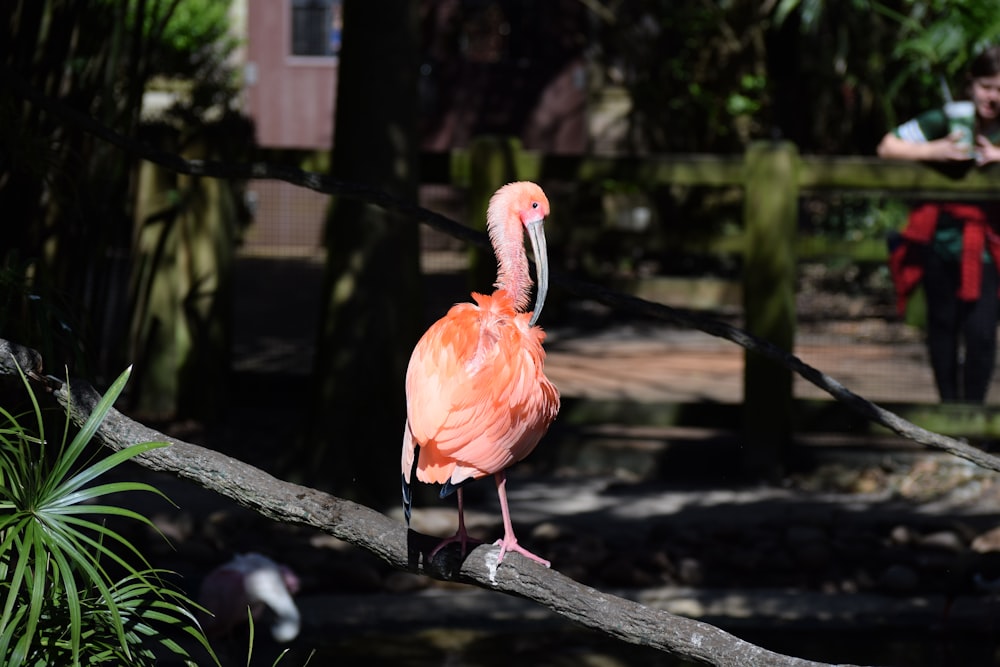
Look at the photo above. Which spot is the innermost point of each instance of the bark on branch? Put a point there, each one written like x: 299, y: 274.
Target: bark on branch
x: 401, y: 548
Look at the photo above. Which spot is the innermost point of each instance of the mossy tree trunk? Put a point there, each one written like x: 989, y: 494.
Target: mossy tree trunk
x: 771, y: 215
x: 187, y: 230
x: 371, y: 307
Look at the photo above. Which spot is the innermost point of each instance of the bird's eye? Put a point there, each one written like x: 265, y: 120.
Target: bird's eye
x: 534, y: 204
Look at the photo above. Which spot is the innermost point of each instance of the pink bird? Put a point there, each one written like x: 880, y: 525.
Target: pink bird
x: 250, y: 581
x: 477, y: 399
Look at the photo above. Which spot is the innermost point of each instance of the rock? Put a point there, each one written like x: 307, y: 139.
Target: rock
x: 177, y: 527
x: 944, y: 539
x: 690, y: 572
x: 871, y: 480
x: 849, y: 586
x: 987, y: 542
x: 547, y: 531
x: 901, y: 535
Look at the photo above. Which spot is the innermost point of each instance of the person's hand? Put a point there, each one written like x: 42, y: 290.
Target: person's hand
x: 948, y: 149
x: 986, y: 152
x: 952, y: 148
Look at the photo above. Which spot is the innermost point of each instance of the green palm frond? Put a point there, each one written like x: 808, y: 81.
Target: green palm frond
x: 69, y: 455
x: 61, y: 604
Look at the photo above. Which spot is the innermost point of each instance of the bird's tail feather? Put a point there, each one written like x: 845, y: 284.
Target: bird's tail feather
x: 407, y: 500
x: 407, y: 491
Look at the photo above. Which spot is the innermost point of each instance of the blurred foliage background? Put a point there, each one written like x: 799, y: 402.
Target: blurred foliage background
x: 105, y: 261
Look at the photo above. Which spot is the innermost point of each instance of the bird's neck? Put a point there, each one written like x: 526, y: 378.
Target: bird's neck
x: 507, y: 236
x: 512, y: 272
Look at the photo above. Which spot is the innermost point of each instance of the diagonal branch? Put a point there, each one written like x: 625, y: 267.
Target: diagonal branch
x: 867, y: 409
x: 408, y: 550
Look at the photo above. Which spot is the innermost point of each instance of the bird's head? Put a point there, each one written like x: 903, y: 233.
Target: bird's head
x: 528, y: 201
x: 523, y: 202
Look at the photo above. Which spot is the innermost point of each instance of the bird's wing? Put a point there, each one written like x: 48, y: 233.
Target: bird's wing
x: 409, y: 452
x: 223, y: 600
x: 477, y: 397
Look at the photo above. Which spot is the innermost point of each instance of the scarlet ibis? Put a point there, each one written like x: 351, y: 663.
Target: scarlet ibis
x: 250, y: 581
x: 477, y: 399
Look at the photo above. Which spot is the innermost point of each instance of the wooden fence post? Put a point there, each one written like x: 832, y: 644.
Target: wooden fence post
x: 770, y: 216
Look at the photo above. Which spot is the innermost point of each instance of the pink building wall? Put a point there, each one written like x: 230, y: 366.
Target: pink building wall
x: 291, y: 98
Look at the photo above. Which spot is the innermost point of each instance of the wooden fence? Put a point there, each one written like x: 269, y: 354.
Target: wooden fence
x: 773, y: 176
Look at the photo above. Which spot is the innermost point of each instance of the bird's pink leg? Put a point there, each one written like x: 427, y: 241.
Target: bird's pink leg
x: 509, y: 542
x: 461, y: 536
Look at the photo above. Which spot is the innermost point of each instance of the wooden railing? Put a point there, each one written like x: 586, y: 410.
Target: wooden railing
x: 772, y: 176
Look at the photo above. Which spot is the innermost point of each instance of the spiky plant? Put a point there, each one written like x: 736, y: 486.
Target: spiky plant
x: 60, y: 605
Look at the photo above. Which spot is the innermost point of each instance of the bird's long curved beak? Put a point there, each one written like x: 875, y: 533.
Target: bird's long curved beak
x: 536, y: 232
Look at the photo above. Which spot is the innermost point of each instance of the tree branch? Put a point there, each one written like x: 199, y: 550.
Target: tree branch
x: 406, y: 549
x: 859, y: 404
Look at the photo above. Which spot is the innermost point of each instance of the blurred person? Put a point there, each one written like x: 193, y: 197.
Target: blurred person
x: 953, y: 249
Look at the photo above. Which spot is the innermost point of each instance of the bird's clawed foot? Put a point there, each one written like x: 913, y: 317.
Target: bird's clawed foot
x: 510, y: 544
x: 462, y: 538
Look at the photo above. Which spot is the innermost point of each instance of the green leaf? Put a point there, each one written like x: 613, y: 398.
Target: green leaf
x: 66, y: 574
x: 86, y: 432
x: 104, y: 465
x: 65, y: 530
x: 76, y: 499
x: 34, y: 404
x: 40, y: 579
x: 21, y: 558
x: 58, y: 601
x: 70, y: 551
x: 12, y: 631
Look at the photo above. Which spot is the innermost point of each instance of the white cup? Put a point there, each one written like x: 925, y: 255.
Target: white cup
x: 961, y: 124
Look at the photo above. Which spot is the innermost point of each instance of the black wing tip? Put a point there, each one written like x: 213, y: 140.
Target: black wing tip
x: 448, y: 488
x: 407, y: 499
x: 407, y: 491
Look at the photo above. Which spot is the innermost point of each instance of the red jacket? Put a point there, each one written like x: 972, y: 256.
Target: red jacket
x: 905, y: 261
